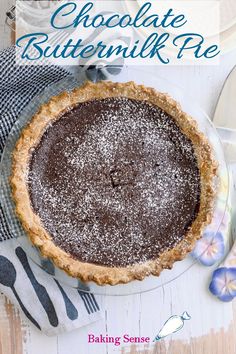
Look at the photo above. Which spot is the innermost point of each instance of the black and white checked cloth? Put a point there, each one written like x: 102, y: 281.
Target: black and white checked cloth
x: 51, y: 306
x: 18, y: 85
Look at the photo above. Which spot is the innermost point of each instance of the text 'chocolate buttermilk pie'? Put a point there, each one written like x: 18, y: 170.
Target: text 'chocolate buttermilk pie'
x: 113, y: 182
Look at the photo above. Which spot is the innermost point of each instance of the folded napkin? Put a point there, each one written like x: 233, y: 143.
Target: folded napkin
x: 51, y: 306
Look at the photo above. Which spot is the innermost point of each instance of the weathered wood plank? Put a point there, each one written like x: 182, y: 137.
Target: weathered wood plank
x: 12, y: 329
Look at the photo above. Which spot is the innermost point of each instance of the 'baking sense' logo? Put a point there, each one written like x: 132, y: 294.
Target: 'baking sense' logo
x: 174, y: 324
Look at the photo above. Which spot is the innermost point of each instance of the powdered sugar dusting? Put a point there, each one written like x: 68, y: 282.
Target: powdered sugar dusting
x: 115, y: 182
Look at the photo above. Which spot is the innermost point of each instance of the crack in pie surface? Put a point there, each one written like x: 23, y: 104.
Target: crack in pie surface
x: 113, y: 182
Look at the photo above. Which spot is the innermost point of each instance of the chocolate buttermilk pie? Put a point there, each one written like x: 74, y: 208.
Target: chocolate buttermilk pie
x: 113, y: 182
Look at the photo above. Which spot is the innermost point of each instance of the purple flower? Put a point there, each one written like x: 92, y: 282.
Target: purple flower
x: 223, y: 283
x: 210, y: 248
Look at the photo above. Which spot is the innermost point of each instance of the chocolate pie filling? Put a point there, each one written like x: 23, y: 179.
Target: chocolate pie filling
x: 115, y: 182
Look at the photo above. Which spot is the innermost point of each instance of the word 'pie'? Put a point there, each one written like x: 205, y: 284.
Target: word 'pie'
x: 113, y: 182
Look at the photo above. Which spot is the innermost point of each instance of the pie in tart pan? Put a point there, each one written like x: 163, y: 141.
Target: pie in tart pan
x: 113, y: 182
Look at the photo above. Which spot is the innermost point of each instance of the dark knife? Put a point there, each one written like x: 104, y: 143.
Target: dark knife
x: 71, y: 310
x: 40, y: 290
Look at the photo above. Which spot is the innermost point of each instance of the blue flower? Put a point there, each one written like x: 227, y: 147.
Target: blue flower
x: 210, y: 248
x: 223, y: 283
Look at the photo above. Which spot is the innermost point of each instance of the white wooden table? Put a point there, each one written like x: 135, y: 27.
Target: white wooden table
x: 212, y: 329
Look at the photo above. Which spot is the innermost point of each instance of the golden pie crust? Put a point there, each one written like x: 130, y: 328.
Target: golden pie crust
x: 31, y: 222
